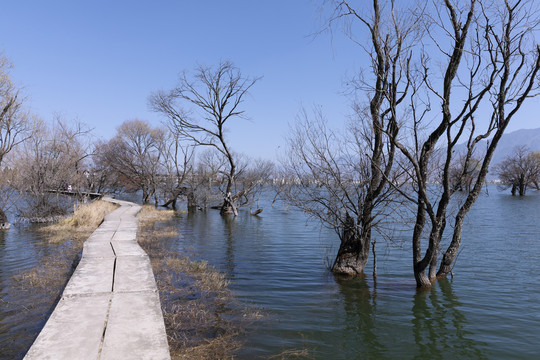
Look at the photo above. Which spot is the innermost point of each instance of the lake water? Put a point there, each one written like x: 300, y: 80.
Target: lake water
x: 25, y: 306
x: 277, y: 261
x: 490, y: 309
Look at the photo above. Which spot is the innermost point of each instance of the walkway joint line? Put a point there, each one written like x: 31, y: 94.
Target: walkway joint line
x: 110, y: 308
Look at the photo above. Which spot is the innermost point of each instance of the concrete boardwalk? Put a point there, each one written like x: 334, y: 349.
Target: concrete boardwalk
x: 110, y: 307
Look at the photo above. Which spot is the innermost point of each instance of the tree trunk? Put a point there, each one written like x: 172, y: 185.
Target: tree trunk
x: 422, y: 280
x: 420, y: 263
x: 172, y: 200
x: 374, y: 258
x: 191, y: 200
x: 156, y: 200
x: 433, y: 264
x: 4, y: 223
x: 353, y: 252
x: 451, y: 253
x: 145, y: 196
x: 228, y: 206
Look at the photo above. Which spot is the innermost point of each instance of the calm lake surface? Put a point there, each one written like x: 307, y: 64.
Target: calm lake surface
x: 277, y: 262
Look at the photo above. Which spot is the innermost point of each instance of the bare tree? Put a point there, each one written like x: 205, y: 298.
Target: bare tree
x: 14, y: 119
x: 178, y: 163
x: 536, y: 158
x: 519, y: 171
x: 201, y: 187
x: 252, y: 177
x: 101, y: 177
x: 199, y: 108
x: 52, y: 160
x: 345, y: 180
x: 135, y: 154
x: 462, y: 173
x: 490, y: 57
x: 207, y: 181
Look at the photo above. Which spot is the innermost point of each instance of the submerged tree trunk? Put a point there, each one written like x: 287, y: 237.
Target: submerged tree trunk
x: 353, y: 252
x: 422, y: 280
x: 4, y: 223
x: 451, y: 252
x: 191, y: 200
x: 522, y: 185
x: 374, y: 258
x: 228, y: 206
x: 421, y: 263
x: 145, y: 196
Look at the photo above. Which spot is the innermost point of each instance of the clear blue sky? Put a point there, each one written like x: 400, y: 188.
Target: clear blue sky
x: 98, y: 61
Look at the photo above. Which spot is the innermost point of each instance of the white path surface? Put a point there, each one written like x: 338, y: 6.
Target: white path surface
x: 110, y: 307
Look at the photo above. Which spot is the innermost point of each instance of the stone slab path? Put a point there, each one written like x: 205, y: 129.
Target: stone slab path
x: 110, y: 307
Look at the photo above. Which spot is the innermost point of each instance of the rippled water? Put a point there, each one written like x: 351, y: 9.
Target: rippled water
x: 277, y: 261
x: 490, y: 309
x: 23, y: 309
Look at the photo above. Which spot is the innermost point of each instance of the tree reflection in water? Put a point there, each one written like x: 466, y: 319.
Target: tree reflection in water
x: 230, y: 229
x: 360, y: 304
x: 439, y: 326
x: 375, y: 320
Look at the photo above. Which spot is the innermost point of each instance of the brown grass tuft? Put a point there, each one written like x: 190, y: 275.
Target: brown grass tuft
x: 70, y: 233
x: 292, y: 354
x: 85, y: 219
x: 150, y: 214
x: 202, y: 318
x: 52, y: 273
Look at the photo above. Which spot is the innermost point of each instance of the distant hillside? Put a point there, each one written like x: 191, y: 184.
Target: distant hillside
x: 527, y: 137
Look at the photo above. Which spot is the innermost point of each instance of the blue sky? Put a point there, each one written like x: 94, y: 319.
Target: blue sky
x: 98, y: 61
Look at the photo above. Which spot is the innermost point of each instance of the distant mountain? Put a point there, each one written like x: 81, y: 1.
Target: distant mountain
x: 507, y: 144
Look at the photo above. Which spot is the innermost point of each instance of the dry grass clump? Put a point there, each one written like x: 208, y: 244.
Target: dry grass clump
x: 149, y: 215
x: 292, y: 354
x: 85, y: 219
x: 202, y: 318
x: 68, y: 234
x: 205, y: 276
x: 218, y: 348
x: 52, y: 273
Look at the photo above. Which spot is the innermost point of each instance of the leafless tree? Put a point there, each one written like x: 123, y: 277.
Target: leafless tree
x: 14, y: 121
x: 51, y: 160
x: 135, y: 154
x: 345, y: 180
x: 462, y: 172
x: 491, y: 58
x: 252, y: 178
x: 206, y: 180
x: 178, y: 162
x: 199, y: 108
x: 519, y: 171
x: 101, y: 177
x: 14, y: 118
